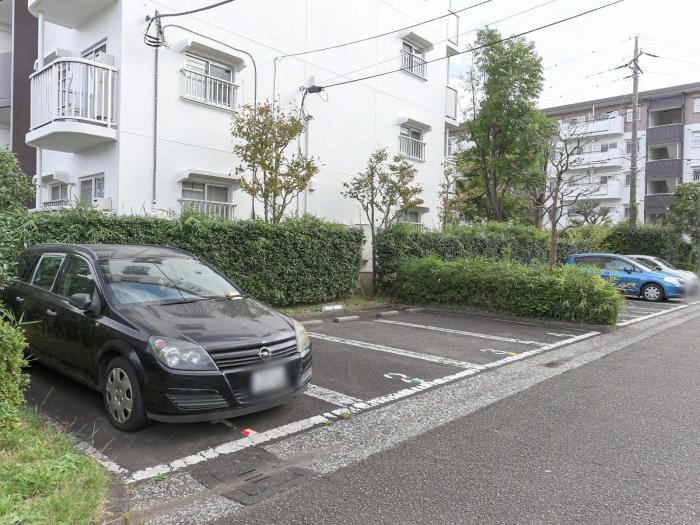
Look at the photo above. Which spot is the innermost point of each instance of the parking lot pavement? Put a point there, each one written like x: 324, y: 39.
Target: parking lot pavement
x: 637, y: 310
x: 357, y: 365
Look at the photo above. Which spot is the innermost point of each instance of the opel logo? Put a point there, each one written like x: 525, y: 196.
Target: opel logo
x: 264, y: 353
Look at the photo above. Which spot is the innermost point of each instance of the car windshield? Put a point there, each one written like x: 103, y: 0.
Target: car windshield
x: 667, y: 264
x: 646, y: 264
x: 163, y: 280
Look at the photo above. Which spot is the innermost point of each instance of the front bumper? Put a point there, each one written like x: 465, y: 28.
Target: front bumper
x: 209, y: 396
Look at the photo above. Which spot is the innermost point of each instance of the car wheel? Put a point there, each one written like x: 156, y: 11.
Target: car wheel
x: 652, y: 293
x: 122, y: 396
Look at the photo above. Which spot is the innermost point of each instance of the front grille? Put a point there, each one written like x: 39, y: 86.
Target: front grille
x: 249, y: 355
x: 203, y: 400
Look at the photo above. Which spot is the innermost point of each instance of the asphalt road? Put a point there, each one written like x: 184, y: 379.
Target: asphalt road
x: 616, y: 440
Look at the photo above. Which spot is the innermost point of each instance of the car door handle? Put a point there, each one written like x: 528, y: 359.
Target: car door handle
x: 51, y: 312
x: 19, y: 299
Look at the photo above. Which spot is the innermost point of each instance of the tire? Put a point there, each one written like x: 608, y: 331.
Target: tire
x: 122, y: 396
x: 652, y: 293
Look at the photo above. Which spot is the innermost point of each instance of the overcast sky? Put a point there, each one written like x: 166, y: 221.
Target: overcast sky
x: 598, y: 42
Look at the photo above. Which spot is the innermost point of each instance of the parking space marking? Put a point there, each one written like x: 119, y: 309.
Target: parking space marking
x: 655, y: 314
x: 397, y: 351
x: 331, y: 396
x: 555, y: 334
x: 463, y: 332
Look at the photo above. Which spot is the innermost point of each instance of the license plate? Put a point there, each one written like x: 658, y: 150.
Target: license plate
x: 268, y: 380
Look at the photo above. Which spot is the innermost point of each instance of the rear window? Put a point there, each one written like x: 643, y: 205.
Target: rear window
x: 589, y: 260
x: 46, y: 271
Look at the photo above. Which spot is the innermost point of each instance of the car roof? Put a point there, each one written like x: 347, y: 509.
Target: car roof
x: 112, y: 251
x: 647, y: 256
x: 599, y: 254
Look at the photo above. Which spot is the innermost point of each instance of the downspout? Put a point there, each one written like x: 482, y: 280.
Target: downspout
x: 155, y: 127
x: 306, y: 155
x: 39, y: 150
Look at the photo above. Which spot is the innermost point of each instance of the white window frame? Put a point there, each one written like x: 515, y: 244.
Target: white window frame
x: 205, y: 190
x: 695, y: 139
x: 91, y: 52
x: 416, y: 64
x: 93, y: 178
x: 199, y: 85
x: 696, y: 105
x: 696, y: 173
x: 408, y: 132
x: 63, y: 191
x: 630, y: 111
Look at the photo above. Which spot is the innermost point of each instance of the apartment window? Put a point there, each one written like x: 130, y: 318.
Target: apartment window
x: 606, y: 147
x: 628, y: 117
x: 92, y: 188
x: 577, y: 120
x: 209, y: 82
x: 93, y: 52
x: 411, y: 143
x: 696, y: 175
x: 627, y: 211
x: 606, y: 116
x: 629, y: 146
x: 628, y: 179
x: 410, y: 217
x: 58, y: 192
x: 207, y: 198
x: 696, y: 105
x: 578, y: 150
x: 413, y: 60
x: 696, y: 139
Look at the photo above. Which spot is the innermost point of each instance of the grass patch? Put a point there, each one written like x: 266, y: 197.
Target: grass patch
x: 45, y: 480
x: 352, y: 304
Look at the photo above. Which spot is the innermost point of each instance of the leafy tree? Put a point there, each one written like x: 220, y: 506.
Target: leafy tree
x: 588, y: 213
x: 383, y: 190
x: 506, y: 131
x: 684, y: 216
x: 268, y: 172
x: 16, y: 191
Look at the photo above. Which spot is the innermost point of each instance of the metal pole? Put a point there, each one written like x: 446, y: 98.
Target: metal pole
x: 635, y: 116
x: 39, y: 150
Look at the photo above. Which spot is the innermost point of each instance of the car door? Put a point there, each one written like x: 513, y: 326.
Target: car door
x: 36, y: 304
x: 73, y: 329
x: 623, y: 273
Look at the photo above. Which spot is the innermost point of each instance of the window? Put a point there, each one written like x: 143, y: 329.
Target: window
x: 58, y: 192
x: 629, y: 146
x: 202, y: 191
x: 577, y: 120
x: 77, y: 279
x: 46, y: 271
x: 93, y: 52
x: 92, y: 188
x: 25, y: 264
x: 696, y: 105
x: 628, y: 179
x: 589, y: 260
x: 628, y: 117
x: 413, y: 60
x: 617, y: 265
x: 411, y: 142
x: 410, y: 217
x: 209, y: 82
x: 696, y: 174
x: 696, y: 139
x: 578, y: 150
x: 627, y: 211
x: 604, y: 179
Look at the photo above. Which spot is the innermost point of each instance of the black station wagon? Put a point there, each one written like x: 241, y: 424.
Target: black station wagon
x: 163, y: 335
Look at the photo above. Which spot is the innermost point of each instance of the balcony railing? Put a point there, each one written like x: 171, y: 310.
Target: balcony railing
x: 412, y: 148
x: 209, y: 90
x: 73, y: 89
x: 451, y: 102
x: 55, y: 204
x: 413, y: 64
x: 222, y: 209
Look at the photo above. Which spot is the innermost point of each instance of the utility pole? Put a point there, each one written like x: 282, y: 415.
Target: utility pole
x: 634, y: 211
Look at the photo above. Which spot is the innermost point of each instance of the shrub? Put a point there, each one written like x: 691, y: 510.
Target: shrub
x: 566, y: 293
x: 498, y: 241
x: 12, y: 380
x: 298, y: 261
x: 647, y: 239
x: 594, y: 234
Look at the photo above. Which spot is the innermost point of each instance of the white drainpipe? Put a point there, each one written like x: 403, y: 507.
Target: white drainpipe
x: 40, y: 150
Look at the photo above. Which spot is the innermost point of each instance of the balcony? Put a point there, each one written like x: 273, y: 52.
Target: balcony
x: 5, y: 86
x: 220, y: 209
x: 208, y: 90
x: 450, y: 102
x: 72, y: 105
x: 593, y: 127
x: 612, y: 157
x: 412, y: 148
x: 657, y: 203
x: 664, y: 169
x: 414, y: 64
x: 58, y: 204
x: 664, y: 134
x: 613, y: 189
x: 67, y: 13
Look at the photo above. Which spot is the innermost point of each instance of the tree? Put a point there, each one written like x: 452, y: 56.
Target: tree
x: 448, y: 202
x: 506, y: 131
x: 268, y: 173
x: 383, y: 190
x: 588, y: 213
x: 16, y: 191
x: 684, y: 216
x: 566, y: 179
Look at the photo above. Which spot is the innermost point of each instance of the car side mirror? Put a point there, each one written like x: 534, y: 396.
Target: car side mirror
x: 82, y: 301
x: 629, y: 270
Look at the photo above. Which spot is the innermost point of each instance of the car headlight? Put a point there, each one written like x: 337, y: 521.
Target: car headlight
x: 180, y: 355
x: 673, y: 280
x: 303, y: 341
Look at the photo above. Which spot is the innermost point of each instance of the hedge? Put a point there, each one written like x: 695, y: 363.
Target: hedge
x: 566, y: 293
x: 497, y: 241
x: 12, y: 380
x: 648, y: 239
x: 299, y: 261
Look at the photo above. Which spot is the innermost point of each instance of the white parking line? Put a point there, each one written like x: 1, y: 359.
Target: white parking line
x: 463, y: 332
x: 331, y: 396
x: 656, y: 314
x: 559, y: 335
x: 397, y: 351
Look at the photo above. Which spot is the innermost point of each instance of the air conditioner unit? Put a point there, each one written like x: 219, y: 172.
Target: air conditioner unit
x: 59, y: 52
x: 104, y: 58
x: 102, y: 203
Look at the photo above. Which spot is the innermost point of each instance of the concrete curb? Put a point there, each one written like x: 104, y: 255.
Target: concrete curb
x: 346, y: 318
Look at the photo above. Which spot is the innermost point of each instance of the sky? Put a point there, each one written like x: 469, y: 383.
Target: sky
x: 577, y: 55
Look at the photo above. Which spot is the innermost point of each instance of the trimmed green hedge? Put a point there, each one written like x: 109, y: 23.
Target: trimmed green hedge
x: 299, y: 261
x: 648, y: 239
x: 493, y: 240
x: 12, y: 380
x: 566, y: 293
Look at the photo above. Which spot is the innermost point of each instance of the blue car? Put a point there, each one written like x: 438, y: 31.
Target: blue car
x: 633, y: 278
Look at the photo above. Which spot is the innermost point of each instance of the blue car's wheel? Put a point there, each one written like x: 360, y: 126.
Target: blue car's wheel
x: 652, y: 293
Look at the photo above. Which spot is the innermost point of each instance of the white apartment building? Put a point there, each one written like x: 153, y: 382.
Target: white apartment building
x: 129, y: 128
x: 668, y: 150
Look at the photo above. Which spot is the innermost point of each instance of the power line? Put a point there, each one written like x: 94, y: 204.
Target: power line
x: 158, y: 40
x: 336, y: 46
x: 445, y: 40
x: 480, y: 47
